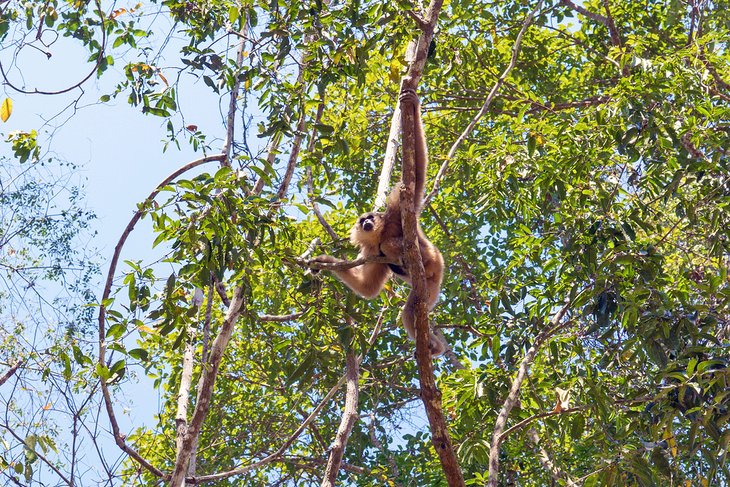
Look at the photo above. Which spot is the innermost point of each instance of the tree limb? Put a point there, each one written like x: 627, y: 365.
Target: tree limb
x: 119, y: 438
x: 209, y: 375
x: 11, y: 371
x: 349, y: 416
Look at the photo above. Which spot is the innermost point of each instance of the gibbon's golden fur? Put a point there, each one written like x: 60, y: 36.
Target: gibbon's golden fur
x: 381, y: 233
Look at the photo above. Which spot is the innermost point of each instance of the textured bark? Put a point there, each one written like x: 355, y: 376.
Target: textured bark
x: 430, y: 395
x: 349, y: 416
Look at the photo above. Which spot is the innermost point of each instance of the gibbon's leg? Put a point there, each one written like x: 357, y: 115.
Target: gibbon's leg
x: 366, y: 280
x: 435, y: 344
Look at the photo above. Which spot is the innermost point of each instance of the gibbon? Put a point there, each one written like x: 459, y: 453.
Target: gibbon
x: 381, y: 233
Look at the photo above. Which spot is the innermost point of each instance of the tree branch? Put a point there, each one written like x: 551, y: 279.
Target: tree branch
x: 209, y: 374
x: 141, y: 210
x: 11, y: 371
x: 544, y: 458
x: 492, y: 93
x: 497, y: 437
x: 349, y: 416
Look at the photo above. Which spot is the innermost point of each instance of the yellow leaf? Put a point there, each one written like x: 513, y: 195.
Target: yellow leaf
x: 6, y: 109
x: 164, y: 80
x: 145, y: 329
x: 705, y: 482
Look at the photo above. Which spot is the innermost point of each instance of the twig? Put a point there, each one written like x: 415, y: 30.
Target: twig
x: 485, y: 107
x: 99, y: 57
x: 379, y: 445
x: 40, y: 455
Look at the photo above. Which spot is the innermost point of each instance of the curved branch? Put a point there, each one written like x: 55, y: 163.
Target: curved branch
x: 485, y: 107
x: 118, y: 437
x: 102, y: 50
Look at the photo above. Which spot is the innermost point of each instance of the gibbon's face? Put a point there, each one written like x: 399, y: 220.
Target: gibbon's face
x: 367, y: 229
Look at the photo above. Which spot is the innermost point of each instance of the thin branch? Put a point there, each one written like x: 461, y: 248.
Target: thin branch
x: 587, y: 13
x: 345, y: 264
x: 532, y: 418
x: 40, y: 455
x: 310, y: 183
x: 209, y: 374
x: 119, y: 438
x: 282, y: 318
x: 349, y: 416
x: 231, y: 119
x: 499, y: 426
x: 485, y: 107
x: 272, y: 150
x: 379, y: 445
x: 99, y: 58
x: 612, y: 30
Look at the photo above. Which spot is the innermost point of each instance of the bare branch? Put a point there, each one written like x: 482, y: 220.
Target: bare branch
x: 345, y: 264
x: 281, y: 318
x: 349, y: 416
x: 485, y: 107
x: 94, y: 70
x: 379, y: 445
x: 391, y: 151
x: 499, y: 426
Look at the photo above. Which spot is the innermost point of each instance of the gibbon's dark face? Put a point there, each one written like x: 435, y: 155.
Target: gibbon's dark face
x: 367, y: 222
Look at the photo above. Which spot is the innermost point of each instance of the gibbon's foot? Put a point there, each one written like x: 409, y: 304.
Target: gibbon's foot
x: 435, y: 346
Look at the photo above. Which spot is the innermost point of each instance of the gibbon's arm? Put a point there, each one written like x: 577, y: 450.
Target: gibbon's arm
x: 366, y: 280
x: 409, y: 101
